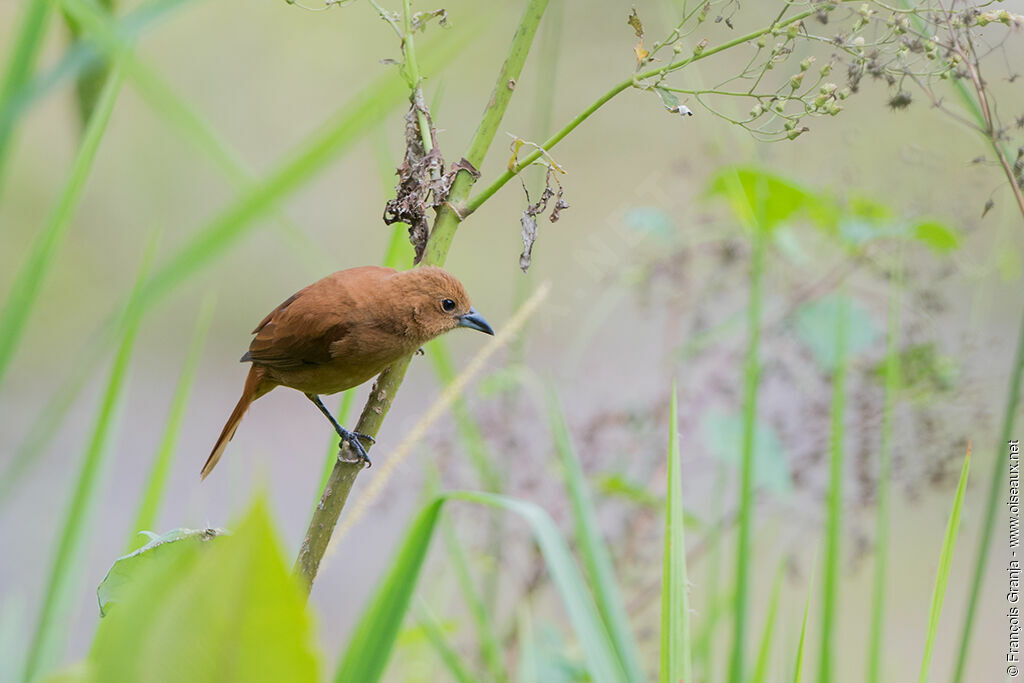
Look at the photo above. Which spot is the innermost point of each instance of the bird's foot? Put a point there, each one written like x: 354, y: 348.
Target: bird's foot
x: 355, y: 440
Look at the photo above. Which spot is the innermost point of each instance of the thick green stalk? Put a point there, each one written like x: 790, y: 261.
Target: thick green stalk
x: 453, y: 212
x: 892, y: 383
x: 339, y: 485
x: 752, y: 372
x: 834, y: 523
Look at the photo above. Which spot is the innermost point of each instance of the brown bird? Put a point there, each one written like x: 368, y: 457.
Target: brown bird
x: 345, y: 329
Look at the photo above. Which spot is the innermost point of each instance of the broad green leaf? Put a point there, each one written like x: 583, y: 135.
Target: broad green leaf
x: 945, y: 564
x: 722, y: 435
x: 936, y: 235
x: 762, y: 200
x: 817, y: 324
x: 221, y: 612
x: 675, y: 611
x: 594, y: 551
x: 162, y: 549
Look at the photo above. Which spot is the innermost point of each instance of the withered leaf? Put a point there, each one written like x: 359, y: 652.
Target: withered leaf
x: 528, y: 221
x: 421, y: 185
x: 634, y: 21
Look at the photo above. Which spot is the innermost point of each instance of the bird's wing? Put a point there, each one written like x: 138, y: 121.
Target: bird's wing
x: 302, y: 329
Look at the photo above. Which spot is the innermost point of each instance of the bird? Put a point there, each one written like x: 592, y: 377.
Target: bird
x: 345, y: 329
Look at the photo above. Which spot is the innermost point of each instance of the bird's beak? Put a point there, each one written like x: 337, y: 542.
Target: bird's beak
x: 475, y: 321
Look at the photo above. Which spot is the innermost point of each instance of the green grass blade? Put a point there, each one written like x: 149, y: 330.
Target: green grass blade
x: 892, y: 382
x: 594, y: 551
x: 156, y: 482
x: 751, y: 379
x: 24, y: 51
x: 942, y: 575
x: 28, y: 282
x: 81, y: 56
x: 436, y: 637
x: 798, y: 668
x: 675, y: 608
x: 764, y: 653
x: 992, y: 505
x: 595, y: 644
x: 490, y: 650
x: 60, y: 590
x: 90, y: 81
x: 369, y: 647
x: 372, y: 641
x: 834, y: 522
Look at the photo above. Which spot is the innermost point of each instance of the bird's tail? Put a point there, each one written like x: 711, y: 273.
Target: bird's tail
x: 254, y: 388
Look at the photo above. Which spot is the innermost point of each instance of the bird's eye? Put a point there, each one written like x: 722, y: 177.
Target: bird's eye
x: 448, y: 305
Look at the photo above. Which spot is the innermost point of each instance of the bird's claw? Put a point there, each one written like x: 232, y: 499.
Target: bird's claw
x: 353, y: 439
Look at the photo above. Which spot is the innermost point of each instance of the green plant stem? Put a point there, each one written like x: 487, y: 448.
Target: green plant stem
x: 752, y: 374
x: 339, y: 485
x: 414, y: 80
x: 449, y: 217
x: 892, y: 383
x: 550, y: 143
x: 834, y: 522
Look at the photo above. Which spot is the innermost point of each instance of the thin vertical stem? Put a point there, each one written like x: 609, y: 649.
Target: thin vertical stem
x: 892, y: 383
x: 752, y: 373
x: 833, y: 528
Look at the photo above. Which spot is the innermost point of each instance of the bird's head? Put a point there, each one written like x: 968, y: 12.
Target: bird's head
x: 438, y: 303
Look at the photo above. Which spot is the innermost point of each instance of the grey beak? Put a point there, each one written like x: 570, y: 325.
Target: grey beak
x: 475, y: 321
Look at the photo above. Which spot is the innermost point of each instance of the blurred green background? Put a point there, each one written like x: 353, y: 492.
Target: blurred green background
x: 641, y: 265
